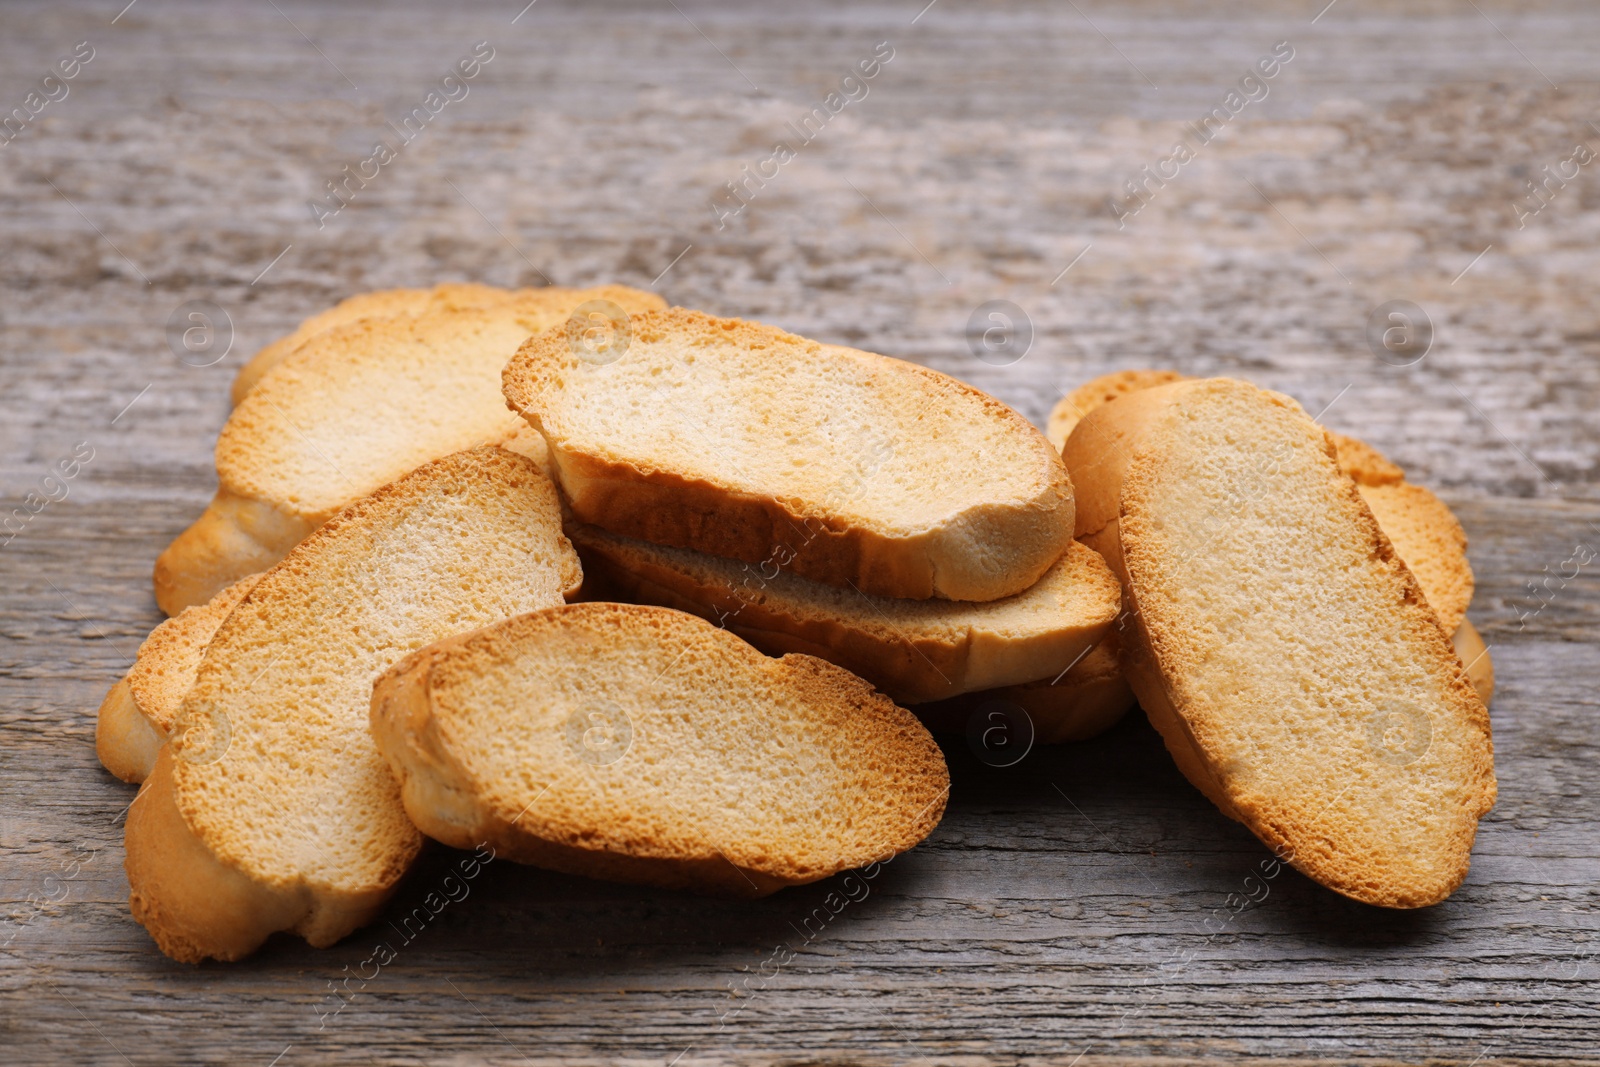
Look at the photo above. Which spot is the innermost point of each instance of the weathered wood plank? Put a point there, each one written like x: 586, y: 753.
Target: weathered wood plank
x: 1076, y: 904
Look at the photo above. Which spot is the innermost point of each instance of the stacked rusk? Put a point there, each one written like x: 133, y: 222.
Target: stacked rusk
x: 819, y: 499
x: 374, y: 636
x: 371, y: 638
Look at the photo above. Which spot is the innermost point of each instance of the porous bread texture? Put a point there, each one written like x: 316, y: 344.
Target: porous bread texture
x: 1423, y: 530
x: 136, y: 716
x: 1083, y: 702
x: 734, y: 773
x: 913, y: 650
x: 530, y: 443
x: 743, y: 441
x: 270, y: 809
x: 1071, y: 409
x: 352, y: 409
x: 551, y: 304
x: 1474, y: 655
x: 1278, y: 643
x: 1432, y: 543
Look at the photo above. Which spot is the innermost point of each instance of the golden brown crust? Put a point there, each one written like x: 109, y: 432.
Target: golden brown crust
x: 275, y: 812
x: 1423, y: 530
x: 1173, y: 656
x: 1364, y: 464
x: 189, y: 901
x: 1101, y: 447
x: 1087, y: 701
x: 436, y: 795
x: 975, y: 550
x: 235, y: 536
x: 1150, y: 686
x: 166, y: 664
x: 873, y: 782
x: 384, y: 304
x: 124, y: 740
x: 913, y: 651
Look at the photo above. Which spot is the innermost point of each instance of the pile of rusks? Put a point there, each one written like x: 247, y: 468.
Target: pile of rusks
x: 639, y: 593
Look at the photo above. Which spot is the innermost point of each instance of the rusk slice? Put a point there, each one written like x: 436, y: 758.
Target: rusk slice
x: 270, y: 809
x: 913, y: 650
x: 854, y: 469
x: 1423, y: 530
x: 136, y: 716
x: 645, y: 745
x: 352, y: 409
x: 1278, y: 643
x: 553, y: 304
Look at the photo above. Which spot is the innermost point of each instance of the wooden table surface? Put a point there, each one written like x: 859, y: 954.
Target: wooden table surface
x: 1074, y: 908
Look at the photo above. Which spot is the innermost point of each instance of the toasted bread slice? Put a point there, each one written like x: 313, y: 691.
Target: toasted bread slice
x: 1474, y: 656
x: 743, y: 441
x: 352, y: 409
x: 1423, y: 530
x: 913, y: 650
x: 136, y: 716
x: 1278, y: 643
x: 552, y: 306
x: 270, y: 809
x: 1084, y: 701
x: 645, y: 745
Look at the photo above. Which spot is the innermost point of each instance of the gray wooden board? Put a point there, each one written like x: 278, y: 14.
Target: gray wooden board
x: 1076, y: 903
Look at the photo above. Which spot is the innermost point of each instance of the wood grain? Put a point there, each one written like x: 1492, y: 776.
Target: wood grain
x: 1077, y: 904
